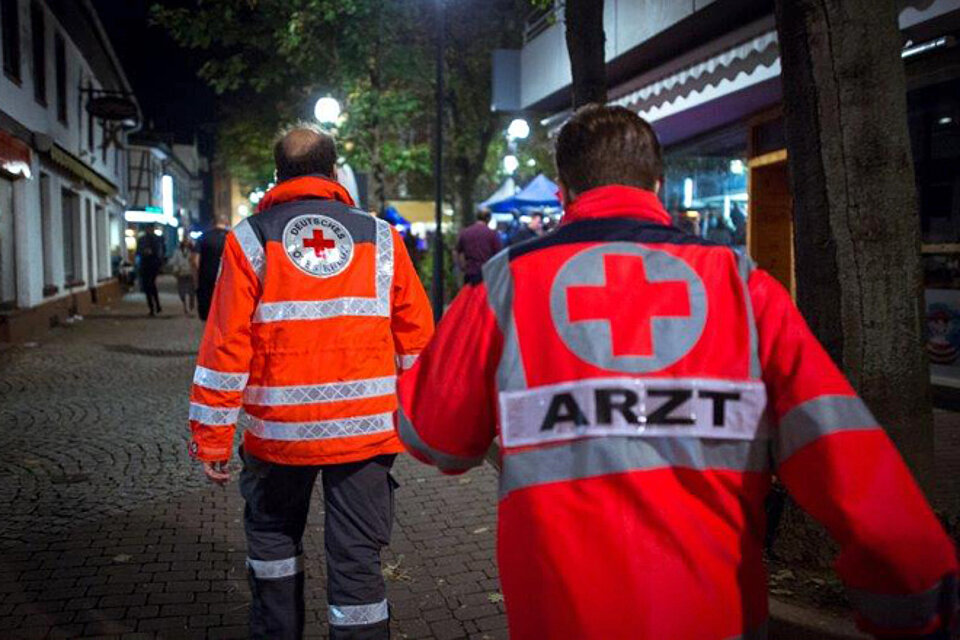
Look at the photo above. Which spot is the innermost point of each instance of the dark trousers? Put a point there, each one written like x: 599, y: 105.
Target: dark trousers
x: 204, y: 299
x: 359, y: 516
x: 148, y: 282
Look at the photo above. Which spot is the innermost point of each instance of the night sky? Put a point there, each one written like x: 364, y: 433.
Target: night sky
x: 163, y: 76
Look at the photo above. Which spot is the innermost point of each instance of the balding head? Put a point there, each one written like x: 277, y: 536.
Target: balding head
x: 305, y: 150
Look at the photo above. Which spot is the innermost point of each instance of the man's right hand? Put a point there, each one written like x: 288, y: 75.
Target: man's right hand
x: 217, y: 472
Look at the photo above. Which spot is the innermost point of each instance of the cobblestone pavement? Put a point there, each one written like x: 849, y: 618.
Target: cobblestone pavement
x: 107, y: 530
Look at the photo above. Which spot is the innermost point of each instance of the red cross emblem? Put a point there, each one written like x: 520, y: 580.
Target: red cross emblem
x: 629, y: 302
x: 318, y: 243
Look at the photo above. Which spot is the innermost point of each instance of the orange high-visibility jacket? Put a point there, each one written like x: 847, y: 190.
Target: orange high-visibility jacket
x: 316, y: 308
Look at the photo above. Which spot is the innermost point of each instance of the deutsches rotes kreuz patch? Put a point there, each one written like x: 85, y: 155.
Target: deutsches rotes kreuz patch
x: 319, y: 245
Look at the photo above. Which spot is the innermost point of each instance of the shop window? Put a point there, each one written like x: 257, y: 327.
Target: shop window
x: 8, y: 276
x: 934, y: 113
x: 46, y: 237
x: 103, y: 241
x: 10, y: 23
x: 70, y: 240
x: 38, y: 37
x: 705, y: 188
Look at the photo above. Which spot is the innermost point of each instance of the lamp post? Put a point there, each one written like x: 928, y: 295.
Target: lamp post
x: 438, y: 173
x: 327, y: 111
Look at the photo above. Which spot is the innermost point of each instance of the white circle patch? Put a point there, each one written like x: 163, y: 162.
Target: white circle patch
x: 318, y: 245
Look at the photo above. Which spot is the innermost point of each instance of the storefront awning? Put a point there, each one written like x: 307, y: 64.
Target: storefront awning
x: 734, y: 69
x: 71, y: 163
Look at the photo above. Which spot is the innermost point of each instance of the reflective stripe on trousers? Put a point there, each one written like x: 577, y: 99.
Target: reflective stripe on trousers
x: 351, y: 615
x: 274, y: 569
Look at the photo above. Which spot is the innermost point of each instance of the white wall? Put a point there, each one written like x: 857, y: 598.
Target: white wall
x: 545, y: 63
x: 18, y: 100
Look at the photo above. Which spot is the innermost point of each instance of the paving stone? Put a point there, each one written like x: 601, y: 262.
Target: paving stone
x: 138, y: 546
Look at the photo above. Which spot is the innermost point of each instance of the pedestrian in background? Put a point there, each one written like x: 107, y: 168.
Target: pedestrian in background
x: 533, y: 229
x: 644, y: 385
x: 181, y: 264
x: 317, y: 306
x: 206, y: 262
x: 150, y: 259
x: 475, y: 245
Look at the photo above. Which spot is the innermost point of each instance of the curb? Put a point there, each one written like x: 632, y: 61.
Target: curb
x: 794, y: 622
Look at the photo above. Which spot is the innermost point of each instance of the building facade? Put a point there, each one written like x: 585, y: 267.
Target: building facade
x: 165, y: 183
x: 706, y: 74
x: 62, y: 170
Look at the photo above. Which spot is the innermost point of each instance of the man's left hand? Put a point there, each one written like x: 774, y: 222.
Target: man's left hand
x: 218, y: 472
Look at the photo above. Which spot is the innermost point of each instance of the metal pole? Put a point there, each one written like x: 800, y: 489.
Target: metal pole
x: 438, y: 174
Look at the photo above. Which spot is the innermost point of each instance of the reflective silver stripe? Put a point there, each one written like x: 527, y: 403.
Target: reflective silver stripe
x: 252, y: 249
x: 407, y: 361
x: 318, y: 309
x: 499, y: 283
x: 746, y: 267
x: 349, y: 615
x: 273, y: 569
x: 321, y: 430
x: 384, y: 265
x: 591, y: 457
x: 206, y: 414
x: 634, y: 407
x: 317, y: 393
x: 819, y: 417
x: 219, y: 380
x: 446, y: 461
x: 899, y: 611
x: 378, y: 306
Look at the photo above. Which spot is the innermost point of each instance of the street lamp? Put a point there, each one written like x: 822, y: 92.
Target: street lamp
x: 438, y: 170
x: 327, y: 110
x: 518, y: 129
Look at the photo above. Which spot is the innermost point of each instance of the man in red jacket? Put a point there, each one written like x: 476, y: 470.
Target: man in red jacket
x: 316, y: 309
x: 644, y: 385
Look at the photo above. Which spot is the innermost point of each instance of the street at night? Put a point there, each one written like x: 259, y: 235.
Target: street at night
x: 480, y: 319
x: 110, y: 530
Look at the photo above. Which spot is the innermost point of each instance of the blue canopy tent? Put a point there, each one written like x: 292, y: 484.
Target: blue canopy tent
x: 540, y: 193
x: 504, y: 193
x: 391, y: 215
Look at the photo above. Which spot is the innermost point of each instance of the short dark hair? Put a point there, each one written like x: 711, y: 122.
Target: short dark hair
x: 483, y: 215
x: 304, y: 150
x: 603, y: 145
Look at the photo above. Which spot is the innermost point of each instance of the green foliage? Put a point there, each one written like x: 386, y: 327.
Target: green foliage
x: 270, y: 59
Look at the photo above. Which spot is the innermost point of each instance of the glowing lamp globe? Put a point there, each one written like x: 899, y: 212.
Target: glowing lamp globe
x: 327, y: 110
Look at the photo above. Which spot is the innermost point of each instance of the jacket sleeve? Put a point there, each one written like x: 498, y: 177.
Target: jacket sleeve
x: 223, y: 365
x: 411, y: 316
x: 897, y: 563
x: 448, y: 400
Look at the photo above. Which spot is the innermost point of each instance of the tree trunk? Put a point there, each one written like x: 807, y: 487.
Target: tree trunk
x: 585, y: 42
x: 857, y: 234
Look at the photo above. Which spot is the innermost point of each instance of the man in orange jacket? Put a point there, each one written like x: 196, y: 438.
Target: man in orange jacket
x: 644, y: 385
x: 316, y: 310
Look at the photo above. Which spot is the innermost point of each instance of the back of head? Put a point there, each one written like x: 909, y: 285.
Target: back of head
x: 305, y: 150
x: 603, y: 145
x: 483, y: 215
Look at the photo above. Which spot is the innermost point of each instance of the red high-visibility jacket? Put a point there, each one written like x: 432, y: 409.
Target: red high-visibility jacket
x: 644, y: 385
x: 316, y: 307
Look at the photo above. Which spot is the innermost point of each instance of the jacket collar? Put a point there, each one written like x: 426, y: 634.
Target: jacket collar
x: 617, y: 201
x: 305, y: 188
